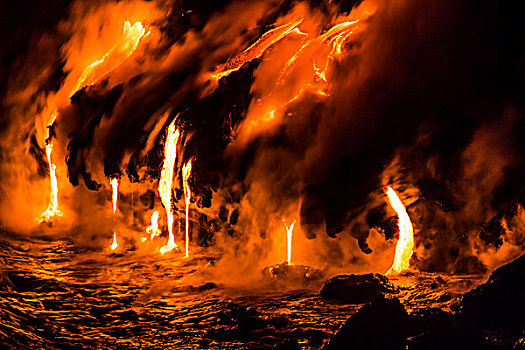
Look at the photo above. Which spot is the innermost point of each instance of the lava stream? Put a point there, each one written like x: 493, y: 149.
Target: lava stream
x: 114, y: 57
x: 114, y: 245
x: 166, y: 181
x: 52, y: 208
x: 114, y: 199
x: 186, y: 173
x: 257, y: 49
x: 153, y: 229
x: 289, y: 231
x: 405, y: 244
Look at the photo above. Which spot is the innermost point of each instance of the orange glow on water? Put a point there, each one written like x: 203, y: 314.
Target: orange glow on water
x: 405, y: 244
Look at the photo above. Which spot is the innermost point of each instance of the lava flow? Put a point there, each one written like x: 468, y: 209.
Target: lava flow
x: 132, y: 34
x: 166, y: 182
x: 153, y: 229
x: 186, y: 173
x: 289, y: 232
x: 405, y: 244
x: 114, y: 199
x: 256, y: 49
x: 91, y: 74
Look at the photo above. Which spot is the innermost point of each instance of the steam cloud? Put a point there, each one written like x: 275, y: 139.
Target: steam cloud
x: 428, y: 98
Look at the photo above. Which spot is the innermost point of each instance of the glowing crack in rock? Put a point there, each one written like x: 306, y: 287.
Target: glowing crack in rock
x: 405, y: 244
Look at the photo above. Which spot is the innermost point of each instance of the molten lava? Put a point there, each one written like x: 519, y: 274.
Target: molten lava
x: 52, y: 208
x: 405, y: 244
x: 114, y: 245
x: 114, y: 199
x: 256, y: 49
x: 114, y: 57
x: 153, y: 229
x: 306, y: 70
x: 289, y: 231
x: 166, y: 181
x: 91, y: 74
x: 114, y: 194
x: 186, y: 173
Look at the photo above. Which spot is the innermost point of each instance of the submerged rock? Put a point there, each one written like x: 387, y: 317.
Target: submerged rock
x: 500, y: 302
x: 381, y: 324
x: 357, y: 289
x: 286, y: 273
x: 434, y: 328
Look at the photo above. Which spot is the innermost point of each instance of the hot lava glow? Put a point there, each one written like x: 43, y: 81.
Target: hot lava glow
x: 114, y: 199
x: 166, y: 181
x: 405, y: 244
x: 289, y: 232
x: 153, y: 229
x: 52, y: 208
x: 114, y: 57
x: 114, y: 245
x: 257, y: 49
x: 114, y: 194
x: 307, y: 70
x: 91, y: 74
x: 186, y: 173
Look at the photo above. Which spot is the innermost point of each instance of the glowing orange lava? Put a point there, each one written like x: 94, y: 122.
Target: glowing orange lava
x: 114, y: 194
x: 166, y: 181
x: 186, y: 173
x: 289, y: 231
x: 114, y: 57
x: 153, y: 229
x: 256, y: 49
x: 405, y: 244
x: 52, y: 208
x: 114, y: 245
x: 91, y: 74
x: 114, y: 199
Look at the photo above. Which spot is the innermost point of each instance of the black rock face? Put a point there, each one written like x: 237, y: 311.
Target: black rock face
x: 357, y: 289
x: 500, y: 302
x: 381, y: 324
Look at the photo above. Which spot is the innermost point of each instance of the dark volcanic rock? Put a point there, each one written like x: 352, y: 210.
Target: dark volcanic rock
x: 292, y: 273
x: 357, y: 289
x: 436, y: 329
x: 381, y: 324
x: 500, y: 302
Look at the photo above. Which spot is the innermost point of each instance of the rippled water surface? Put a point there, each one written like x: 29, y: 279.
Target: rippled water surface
x: 56, y: 295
